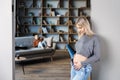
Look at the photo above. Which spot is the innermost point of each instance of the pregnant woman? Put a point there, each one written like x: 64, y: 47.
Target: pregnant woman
x: 87, y: 51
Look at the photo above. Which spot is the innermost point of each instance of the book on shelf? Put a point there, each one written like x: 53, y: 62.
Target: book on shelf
x: 17, y: 28
x: 58, y: 22
x: 39, y: 30
x: 61, y: 39
x: 70, y: 22
x: 58, y: 5
x: 71, y: 3
x: 65, y: 48
x: 26, y: 30
x: 70, y: 39
x: 38, y: 21
x: 61, y: 31
x: 33, y: 22
x: 31, y: 5
x: 44, y: 22
x: 22, y: 4
x: 44, y: 29
x: 52, y: 13
x: 71, y: 31
x: 81, y: 12
x: 67, y: 22
x: 30, y: 14
x: 88, y: 3
x: 67, y: 14
x: 18, y: 21
x: 52, y: 30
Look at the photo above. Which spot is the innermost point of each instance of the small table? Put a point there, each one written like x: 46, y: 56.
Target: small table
x: 21, y: 59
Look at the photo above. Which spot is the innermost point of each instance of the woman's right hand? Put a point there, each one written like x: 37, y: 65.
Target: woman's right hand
x: 77, y: 62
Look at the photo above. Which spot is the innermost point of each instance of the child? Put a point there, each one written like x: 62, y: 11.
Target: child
x: 36, y: 41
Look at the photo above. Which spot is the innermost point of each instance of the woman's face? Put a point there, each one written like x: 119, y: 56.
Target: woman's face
x: 80, y: 29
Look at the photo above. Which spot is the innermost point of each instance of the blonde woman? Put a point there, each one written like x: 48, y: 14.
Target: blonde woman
x: 87, y: 51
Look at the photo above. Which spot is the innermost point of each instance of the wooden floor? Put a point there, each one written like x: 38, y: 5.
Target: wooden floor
x: 43, y: 69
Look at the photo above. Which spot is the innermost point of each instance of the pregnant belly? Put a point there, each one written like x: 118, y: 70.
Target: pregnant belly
x: 80, y: 58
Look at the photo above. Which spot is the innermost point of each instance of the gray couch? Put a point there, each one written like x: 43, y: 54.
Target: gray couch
x: 25, y: 52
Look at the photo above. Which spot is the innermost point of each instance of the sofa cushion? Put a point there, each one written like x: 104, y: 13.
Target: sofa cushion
x: 33, y: 51
x: 24, y: 41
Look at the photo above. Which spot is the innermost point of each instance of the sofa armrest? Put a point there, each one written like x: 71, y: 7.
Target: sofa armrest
x: 54, y: 46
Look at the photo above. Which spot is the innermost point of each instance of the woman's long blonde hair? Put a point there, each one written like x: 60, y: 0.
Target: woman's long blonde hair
x: 83, y: 22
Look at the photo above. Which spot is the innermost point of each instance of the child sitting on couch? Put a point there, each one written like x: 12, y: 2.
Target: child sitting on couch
x: 41, y: 43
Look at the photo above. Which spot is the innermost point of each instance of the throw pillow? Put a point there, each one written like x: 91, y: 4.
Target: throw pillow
x: 49, y: 41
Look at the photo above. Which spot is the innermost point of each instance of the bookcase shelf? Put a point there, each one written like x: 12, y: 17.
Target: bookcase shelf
x: 51, y: 18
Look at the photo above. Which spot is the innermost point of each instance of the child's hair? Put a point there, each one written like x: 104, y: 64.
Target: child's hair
x: 41, y: 38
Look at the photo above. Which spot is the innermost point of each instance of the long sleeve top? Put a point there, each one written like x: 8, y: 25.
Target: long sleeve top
x: 35, y: 42
x: 88, y: 47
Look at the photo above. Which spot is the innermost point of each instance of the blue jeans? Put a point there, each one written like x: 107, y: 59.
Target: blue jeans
x: 42, y: 44
x: 81, y: 74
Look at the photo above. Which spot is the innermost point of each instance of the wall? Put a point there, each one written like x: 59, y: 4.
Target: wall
x: 106, y: 22
x: 6, y: 41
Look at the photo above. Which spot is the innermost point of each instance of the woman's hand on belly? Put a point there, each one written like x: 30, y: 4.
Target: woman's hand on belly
x: 77, y: 61
x: 77, y: 65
